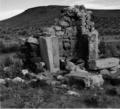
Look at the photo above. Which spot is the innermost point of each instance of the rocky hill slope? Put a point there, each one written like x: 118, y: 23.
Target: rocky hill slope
x: 106, y: 21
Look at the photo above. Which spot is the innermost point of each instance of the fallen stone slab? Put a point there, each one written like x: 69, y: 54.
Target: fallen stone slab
x: 50, y: 52
x: 90, y: 80
x: 103, y: 63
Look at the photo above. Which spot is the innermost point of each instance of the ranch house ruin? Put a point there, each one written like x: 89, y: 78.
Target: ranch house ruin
x: 72, y: 36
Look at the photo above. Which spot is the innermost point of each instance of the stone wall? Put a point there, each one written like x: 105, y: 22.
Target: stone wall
x: 73, y: 29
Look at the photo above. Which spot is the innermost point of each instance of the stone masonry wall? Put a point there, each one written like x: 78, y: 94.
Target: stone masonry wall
x: 73, y: 29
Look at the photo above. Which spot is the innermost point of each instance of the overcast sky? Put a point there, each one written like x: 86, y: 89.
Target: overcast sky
x: 9, y: 8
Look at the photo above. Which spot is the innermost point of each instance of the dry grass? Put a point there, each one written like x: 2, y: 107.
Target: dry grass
x: 40, y: 95
x: 7, y: 46
x: 25, y: 96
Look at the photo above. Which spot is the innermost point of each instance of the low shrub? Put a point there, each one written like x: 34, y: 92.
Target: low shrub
x: 11, y: 67
x: 9, y: 46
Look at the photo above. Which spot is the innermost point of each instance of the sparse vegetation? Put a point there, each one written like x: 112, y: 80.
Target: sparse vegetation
x: 19, y: 95
x: 39, y: 95
x: 7, y: 46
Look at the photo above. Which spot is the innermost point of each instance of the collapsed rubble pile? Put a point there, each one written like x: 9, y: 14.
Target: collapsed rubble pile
x: 69, y: 50
x: 78, y: 40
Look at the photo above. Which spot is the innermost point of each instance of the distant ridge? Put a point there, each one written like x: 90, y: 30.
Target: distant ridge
x: 33, y: 15
x: 45, y: 15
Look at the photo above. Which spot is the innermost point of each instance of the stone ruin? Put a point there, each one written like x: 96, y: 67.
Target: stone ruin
x: 69, y: 49
x: 73, y: 36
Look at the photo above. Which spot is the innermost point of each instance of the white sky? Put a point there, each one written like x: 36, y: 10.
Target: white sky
x: 9, y: 8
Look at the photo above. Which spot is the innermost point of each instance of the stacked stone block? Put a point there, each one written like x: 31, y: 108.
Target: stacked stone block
x: 50, y: 52
x: 73, y: 30
x: 74, y: 22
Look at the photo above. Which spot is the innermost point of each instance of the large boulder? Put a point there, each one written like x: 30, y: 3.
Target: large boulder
x: 103, y: 63
x: 90, y: 80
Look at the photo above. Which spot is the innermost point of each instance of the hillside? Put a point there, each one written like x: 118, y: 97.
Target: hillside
x: 31, y: 20
x: 43, y: 15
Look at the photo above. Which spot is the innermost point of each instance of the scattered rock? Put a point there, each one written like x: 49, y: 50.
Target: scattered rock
x: 60, y: 77
x: 113, y: 69
x: 2, y: 81
x: 63, y: 23
x: 53, y: 83
x: 25, y: 71
x: 42, y: 64
x: 32, y: 40
x: 89, y: 79
x: 18, y: 79
x: 7, y: 79
x: 6, y: 69
x: 57, y: 28
x: 73, y: 93
x: 41, y: 77
x: 112, y: 75
x: 64, y: 86
x: 97, y: 80
x: 104, y: 72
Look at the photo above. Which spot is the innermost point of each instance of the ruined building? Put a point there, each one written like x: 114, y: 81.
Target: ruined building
x: 74, y: 31
x: 72, y: 42
x: 73, y: 36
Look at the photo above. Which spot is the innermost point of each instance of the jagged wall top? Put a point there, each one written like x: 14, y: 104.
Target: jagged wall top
x: 81, y: 14
x: 74, y: 16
